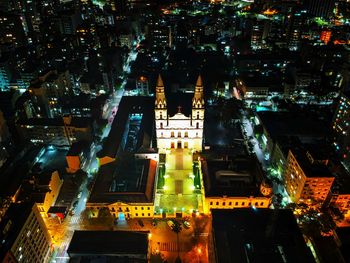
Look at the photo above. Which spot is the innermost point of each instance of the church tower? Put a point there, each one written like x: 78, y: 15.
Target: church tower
x: 161, y: 114
x: 198, y: 108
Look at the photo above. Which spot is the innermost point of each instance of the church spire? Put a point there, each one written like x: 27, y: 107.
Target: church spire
x: 160, y: 81
x: 198, y: 98
x: 160, y: 94
x: 199, y: 82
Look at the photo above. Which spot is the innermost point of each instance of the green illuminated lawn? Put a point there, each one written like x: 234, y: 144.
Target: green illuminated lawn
x: 178, y: 190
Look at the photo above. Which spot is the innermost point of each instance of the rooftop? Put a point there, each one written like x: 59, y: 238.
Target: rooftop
x: 312, y: 166
x: 121, y: 131
x: 127, y: 180
x: 306, y: 127
x: 12, y: 223
x: 257, y: 235
x: 111, y: 243
x: 240, y: 176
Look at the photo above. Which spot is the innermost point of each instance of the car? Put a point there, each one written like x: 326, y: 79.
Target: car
x: 187, y: 224
x: 171, y: 224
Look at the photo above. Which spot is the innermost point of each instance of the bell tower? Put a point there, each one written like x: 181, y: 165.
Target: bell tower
x: 198, y: 104
x: 161, y: 113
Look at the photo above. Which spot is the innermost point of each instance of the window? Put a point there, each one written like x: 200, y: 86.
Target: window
x: 172, y: 134
x: 186, y: 134
x: 141, y: 207
x: 149, y: 214
x: 223, y: 203
x: 161, y: 125
x: 197, y: 125
x: 136, y: 214
x: 135, y: 208
x: 217, y: 203
x: 236, y: 203
x: 243, y: 203
x: 143, y: 214
x: 211, y: 203
x: 256, y: 203
x: 261, y: 203
x: 230, y: 203
x: 250, y: 203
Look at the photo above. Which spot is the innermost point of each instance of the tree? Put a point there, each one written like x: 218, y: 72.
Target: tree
x: 177, y: 229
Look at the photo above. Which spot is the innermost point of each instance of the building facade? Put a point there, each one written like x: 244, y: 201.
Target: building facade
x: 25, y: 236
x: 179, y: 131
x: 305, y: 183
x: 341, y: 128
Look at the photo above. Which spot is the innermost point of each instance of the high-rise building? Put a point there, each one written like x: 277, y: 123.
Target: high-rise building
x: 294, y: 28
x: 12, y: 29
x: 306, y: 178
x: 341, y: 128
x: 320, y: 8
x: 179, y: 131
x: 24, y: 235
x: 5, y: 73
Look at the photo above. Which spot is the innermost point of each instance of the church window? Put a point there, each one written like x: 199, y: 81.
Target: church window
x: 186, y: 134
x: 179, y: 134
x: 172, y: 134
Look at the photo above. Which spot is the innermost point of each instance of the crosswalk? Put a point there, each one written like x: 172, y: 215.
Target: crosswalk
x: 75, y: 220
x: 170, y: 247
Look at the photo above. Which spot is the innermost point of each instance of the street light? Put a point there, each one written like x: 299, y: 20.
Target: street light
x: 199, y: 252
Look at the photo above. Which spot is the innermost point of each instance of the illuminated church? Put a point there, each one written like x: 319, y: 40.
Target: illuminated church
x: 179, y: 131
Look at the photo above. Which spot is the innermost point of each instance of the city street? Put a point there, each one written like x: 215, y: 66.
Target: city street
x: 63, y: 232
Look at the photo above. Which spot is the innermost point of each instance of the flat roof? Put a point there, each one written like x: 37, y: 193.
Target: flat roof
x: 258, y: 235
x: 125, y: 180
x: 79, y: 122
x: 127, y: 106
x: 240, y: 176
x: 293, y: 124
x: 112, y: 243
x: 12, y: 223
x: 311, y: 169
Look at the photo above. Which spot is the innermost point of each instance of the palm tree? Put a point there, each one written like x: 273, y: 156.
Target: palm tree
x: 177, y: 229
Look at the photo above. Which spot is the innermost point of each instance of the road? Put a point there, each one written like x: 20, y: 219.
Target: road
x: 276, y: 188
x: 62, y: 232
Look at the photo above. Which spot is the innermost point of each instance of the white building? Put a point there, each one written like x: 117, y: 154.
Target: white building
x: 179, y: 131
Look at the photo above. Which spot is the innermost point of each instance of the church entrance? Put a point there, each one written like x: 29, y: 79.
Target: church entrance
x: 179, y: 145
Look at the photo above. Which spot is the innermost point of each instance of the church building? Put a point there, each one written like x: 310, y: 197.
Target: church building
x: 179, y: 131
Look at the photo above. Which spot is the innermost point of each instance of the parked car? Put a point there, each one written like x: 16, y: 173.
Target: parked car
x: 171, y: 224
x: 187, y: 224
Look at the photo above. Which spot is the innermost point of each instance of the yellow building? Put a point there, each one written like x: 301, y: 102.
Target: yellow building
x: 49, y: 198
x: 305, y: 178
x: 235, y: 183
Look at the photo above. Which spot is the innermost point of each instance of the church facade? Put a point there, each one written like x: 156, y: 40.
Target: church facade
x: 179, y: 131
